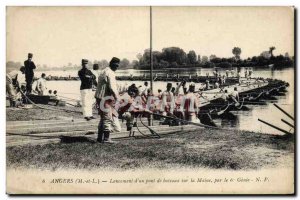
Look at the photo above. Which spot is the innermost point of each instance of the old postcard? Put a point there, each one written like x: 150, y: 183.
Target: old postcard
x: 150, y: 100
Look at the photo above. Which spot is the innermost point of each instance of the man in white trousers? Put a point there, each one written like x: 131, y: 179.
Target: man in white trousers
x: 87, y: 98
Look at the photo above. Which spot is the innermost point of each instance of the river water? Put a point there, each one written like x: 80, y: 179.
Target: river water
x: 245, y: 120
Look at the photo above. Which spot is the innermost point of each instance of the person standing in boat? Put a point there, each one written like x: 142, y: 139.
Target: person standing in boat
x: 145, y: 89
x: 191, y: 105
x: 14, y: 79
x: 168, y: 102
x: 217, y: 85
x: 250, y: 73
x: 106, y: 95
x: 29, y: 74
x: 87, y: 80
x: 246, y: 73
x: 239, y: 77
x: 207, y: 86
x: 180, y: 88
x: 235, y: 95
x: 41, y: 84
x: 232, y: 72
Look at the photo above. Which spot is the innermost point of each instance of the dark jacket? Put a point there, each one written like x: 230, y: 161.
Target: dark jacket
x: 29, y: 67
x: 87, y: 78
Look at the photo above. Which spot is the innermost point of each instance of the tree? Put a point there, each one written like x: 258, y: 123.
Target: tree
x: 211, y: 57
x: 204, y: 59
x: 124, y: 63
x: 135, y: 64
x: 174, y: 54
x: 286, y: 55
x: 192, y: 57
x: 139, y: 56
x: 237, y: 52
x: 199, y: 59
x: 217, y: 60
x: 163, y: 64
x: 103, y: 63
x: 271, y: 49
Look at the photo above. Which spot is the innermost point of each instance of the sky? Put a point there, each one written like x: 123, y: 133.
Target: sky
x: 61, y: 35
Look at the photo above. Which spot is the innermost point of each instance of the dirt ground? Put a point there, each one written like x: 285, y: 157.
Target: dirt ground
x: 37, y: 113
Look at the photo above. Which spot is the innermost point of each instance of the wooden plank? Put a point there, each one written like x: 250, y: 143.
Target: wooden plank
x: 83, y: 132
x: 30, y: 141
x: 59, y: 127
x: 44, y: 123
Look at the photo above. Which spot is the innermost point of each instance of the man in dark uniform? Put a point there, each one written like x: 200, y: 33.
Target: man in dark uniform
x: 29, y: 74
x: 87, y: 80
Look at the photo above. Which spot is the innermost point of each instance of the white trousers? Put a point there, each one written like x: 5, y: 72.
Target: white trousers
x: 87, y: 99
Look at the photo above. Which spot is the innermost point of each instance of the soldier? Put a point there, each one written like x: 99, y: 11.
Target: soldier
x: 41, y: 84
x: 225, y: 96
x: 246, y: 73
x: 87, y: 80
x: 250, y: 73
x: 14, y: 79
x: 106, y: 94
x: 145, y: 89
x: 235, y: 95
x: 227, y: 73
x: 29, y: 74
x: 191, y: 105
x: 168, y: 103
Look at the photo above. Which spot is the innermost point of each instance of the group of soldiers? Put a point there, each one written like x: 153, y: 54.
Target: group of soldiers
x: 177, y: 100
x: 23, y: 80
x: 112, y: 100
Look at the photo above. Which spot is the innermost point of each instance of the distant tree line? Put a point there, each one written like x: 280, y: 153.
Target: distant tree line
x: 175, y: 57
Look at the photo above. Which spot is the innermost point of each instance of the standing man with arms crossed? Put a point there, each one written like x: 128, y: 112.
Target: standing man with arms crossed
x: 106, y: 94
x: 29, y: 74
x: 87, y: 80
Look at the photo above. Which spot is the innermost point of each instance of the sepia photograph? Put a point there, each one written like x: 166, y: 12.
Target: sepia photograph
x: 148, y: 100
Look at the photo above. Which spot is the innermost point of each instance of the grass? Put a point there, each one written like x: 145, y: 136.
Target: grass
x: 203, y: 148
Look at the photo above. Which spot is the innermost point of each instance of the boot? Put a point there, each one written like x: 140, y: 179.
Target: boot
x: 100, y: 138
x: 13, y: 103
x: 106, y: 137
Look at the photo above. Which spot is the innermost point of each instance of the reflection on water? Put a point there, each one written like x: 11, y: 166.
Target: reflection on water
x: 244, y: 120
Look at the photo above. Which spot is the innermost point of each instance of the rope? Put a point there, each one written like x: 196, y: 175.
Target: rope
x: 150, y: 129
x: 140, y: 130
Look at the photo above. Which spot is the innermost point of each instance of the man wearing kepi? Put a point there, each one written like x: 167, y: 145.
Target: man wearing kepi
x: 106, y: 95
x: 87, y: 79
x: 29, y: 74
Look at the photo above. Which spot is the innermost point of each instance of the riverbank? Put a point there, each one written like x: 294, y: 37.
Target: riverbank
x: 234, y: 150
x: 226, y: 149
x: 36, y: 113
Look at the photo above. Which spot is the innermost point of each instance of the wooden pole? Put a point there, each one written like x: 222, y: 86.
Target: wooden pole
x: 151, y: 65
x: 287, y: 114
x: 288, y: 123
x: 284, y: 131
